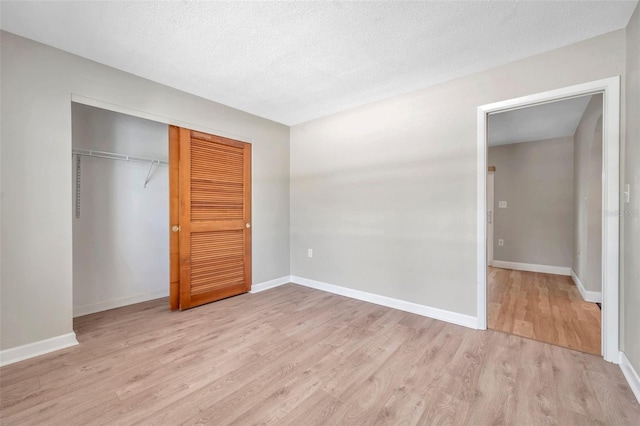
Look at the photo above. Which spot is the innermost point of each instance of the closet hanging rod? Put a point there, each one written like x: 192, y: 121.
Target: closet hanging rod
x: 114, y: 156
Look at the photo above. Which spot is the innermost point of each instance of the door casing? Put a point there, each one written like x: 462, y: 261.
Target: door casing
x: 610, y: 89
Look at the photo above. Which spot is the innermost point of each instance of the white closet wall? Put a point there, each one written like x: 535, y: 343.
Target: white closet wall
x: 121, y: 239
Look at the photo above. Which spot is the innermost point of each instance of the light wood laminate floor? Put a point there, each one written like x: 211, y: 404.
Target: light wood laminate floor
x: 298, y: 356
x: 544, y: 307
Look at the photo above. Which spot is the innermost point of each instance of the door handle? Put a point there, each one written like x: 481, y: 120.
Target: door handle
x: 248, y: 225
x: 175, y: 228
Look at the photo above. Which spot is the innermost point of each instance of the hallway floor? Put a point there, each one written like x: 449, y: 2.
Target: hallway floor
x: 544, y: 307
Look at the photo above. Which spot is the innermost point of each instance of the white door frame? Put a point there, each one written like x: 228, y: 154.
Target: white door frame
x: 610, y: 88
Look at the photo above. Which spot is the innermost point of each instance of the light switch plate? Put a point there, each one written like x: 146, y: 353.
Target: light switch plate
x: 502, y: 204
x: 627, y: 193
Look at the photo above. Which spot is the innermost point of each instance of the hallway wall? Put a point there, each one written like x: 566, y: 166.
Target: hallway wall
x: 587, y: 192
x: 536, y: 180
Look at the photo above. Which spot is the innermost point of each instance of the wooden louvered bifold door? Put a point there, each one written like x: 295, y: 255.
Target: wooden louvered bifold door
x: 215, y: 218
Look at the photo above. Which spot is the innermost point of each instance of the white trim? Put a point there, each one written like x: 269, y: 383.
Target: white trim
x: 79, y: 311
x: 630, y: 374
x: 610, y: 88
x: 481, y: 223
x: 611, y: 219
x: 402, y: 305
x: 587, y: 296
x: 257, y: 288
x: 532, y: 267
x: 30, y: 350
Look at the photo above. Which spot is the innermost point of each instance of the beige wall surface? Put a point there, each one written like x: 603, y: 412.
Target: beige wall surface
x: 536, y: 180
x: 385, y: 194
x: 37, y: 84
x: 631, y: 217
x: 587, y: 192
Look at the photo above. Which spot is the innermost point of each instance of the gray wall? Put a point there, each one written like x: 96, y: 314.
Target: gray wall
x: 37, y: 84
x: 385, y: 194
x: 121, y: 239
x: 536, y: 180
x: 631, y: 218
x: 587, y: 203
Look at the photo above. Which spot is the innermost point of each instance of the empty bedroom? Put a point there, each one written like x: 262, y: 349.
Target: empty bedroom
x: 305, y: 213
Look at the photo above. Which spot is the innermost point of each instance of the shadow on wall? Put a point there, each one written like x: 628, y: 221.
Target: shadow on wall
x: 587, y: 249
x: 594, y: 213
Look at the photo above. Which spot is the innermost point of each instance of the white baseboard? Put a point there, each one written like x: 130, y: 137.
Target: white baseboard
x: 531, y: 267
x: 402, y: 305
x: 588, y: 296
x: 630, y: 374
x: 30, y: 350
x: 257, y: 288
x: 79, y: 311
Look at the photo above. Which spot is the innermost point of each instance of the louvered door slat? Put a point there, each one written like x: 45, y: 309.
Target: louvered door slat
x: 216, y: 168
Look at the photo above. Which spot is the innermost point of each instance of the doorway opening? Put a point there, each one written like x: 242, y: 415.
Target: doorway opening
x: 546, y: 170
x: 608, y: 90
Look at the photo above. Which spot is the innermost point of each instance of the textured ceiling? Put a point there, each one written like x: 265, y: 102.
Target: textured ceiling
x: 552, y: 120
x: 295, y: 61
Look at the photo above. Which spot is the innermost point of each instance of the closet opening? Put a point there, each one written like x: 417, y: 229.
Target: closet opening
x: 120, y: 187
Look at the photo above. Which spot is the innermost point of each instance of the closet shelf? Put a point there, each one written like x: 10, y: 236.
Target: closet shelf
x: 114, y: 156
x: 109, y: 156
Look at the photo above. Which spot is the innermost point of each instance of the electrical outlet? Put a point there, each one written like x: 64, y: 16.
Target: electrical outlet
x: 501, y: 242
x: 310, y: 253
x: 502, y: 204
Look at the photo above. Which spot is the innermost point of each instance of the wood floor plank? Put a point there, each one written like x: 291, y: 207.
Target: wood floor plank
x: 496, y: 401
x: 387, y: 382
x: 372, y: 382
x: 402, y: 408
x: 544, y: 307
x: 297, y: 356
x: 538, y: 396
x: 315, y: 410
x: 275, y: 381
x: 442, y: 408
